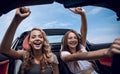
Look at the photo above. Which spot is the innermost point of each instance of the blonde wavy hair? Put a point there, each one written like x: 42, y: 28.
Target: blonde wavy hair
x: 29, y: 55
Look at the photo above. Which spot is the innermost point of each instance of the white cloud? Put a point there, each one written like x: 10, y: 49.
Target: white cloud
x: 54, y: 24
x: 104, y: 29
x: 102, y: 38
x: 102, y: 35
x: 95, y: 10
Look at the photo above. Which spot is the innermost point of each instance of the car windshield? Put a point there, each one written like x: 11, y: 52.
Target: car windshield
x: 55, y: 38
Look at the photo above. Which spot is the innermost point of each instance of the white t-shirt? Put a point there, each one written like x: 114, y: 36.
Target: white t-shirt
x: 84, y: 65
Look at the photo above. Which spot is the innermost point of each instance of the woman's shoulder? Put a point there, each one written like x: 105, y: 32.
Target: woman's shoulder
x: 25, y: 54
x: 53, y: 58
x: 83, y: 48
x: 21, y: 53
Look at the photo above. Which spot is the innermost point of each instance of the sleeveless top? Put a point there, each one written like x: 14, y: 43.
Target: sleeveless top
x: 35, y: 68
x: 83, y: 65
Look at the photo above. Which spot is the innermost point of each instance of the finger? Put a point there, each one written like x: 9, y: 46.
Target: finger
x: 72, y: 9
x: 79, y: 8
x: 25, y: 14
x: 24, y: 10
x: 116, y: 46
x: 83, y: 10
x: 116, y: 51
x: 18, y: 10
x: 117, y: 41
x: 117, y: 38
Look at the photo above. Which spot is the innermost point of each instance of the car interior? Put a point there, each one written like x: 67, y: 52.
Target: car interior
x: 105, y: 66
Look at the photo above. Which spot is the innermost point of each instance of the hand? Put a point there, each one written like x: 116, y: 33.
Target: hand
x: 77, y: 10
x: 115, y: 47
x: 23, y: 12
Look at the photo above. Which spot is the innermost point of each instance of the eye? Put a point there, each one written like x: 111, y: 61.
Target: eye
x: 40, y: 36
x: 69, y: 37
x: 75, y: 37
x: 33, y: 36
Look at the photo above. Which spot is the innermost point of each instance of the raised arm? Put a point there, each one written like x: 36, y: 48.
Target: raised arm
x: 5, y: 48
x: 93, y: 55
x: 83, y: 29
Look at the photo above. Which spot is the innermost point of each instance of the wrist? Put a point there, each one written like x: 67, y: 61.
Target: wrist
x: 17, y: 18
x: 83, y: 14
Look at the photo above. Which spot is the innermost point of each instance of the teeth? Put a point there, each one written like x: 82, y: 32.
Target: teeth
x: 72, y: 42
x: 37, y: 42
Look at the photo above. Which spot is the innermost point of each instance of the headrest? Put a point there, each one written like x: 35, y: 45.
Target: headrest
x: 106, y: 61
x: 4, y: 67
x: 26, y: 43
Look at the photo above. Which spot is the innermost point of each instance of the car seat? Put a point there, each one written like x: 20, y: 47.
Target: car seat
x: 4, y: 67
x: 63, y: 69
x: 25, y: 43
x: 106, y: 61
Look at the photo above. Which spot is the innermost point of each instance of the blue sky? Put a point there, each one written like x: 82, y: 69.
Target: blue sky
x: 102, y: 23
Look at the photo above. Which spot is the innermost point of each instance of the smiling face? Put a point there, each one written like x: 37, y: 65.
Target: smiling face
x: 72, y: 40
x: 36, y: 39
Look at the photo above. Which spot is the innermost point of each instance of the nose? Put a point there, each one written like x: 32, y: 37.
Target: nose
x: 37, y: 38
x: 73, y: 39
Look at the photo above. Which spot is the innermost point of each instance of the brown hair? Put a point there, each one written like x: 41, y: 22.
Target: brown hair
x: 64, y: 41
x: 29, y: 56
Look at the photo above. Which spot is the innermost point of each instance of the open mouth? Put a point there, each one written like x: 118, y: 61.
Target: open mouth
x: 37, y: 43
x: 73, y: 43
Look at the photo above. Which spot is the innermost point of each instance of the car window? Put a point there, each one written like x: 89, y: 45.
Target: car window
x: 55, y: 38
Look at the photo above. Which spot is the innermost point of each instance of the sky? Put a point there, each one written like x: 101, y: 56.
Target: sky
x: 102, y: 22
